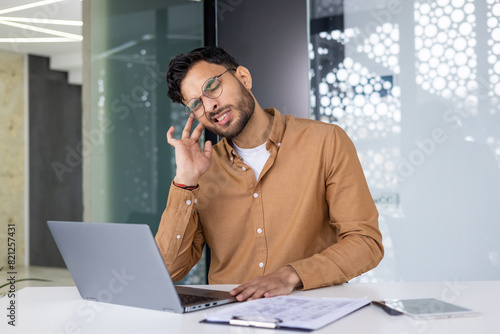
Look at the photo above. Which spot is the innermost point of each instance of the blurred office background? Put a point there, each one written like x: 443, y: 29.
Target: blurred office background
x: 415, y: 83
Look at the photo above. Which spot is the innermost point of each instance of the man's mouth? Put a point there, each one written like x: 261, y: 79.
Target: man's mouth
x: 222, y: 118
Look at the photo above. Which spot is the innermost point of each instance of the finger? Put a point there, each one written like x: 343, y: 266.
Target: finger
x: 245, y: 293
x: 208, y: 149
x: 170, y: 135
x: 187, y: 128
x: 277, y: 292
x: 240, y: 288
x: 236, y: 291
x: 197, y: 132
x: 259, y: 293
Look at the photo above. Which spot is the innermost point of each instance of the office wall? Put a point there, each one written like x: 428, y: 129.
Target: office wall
x: 55, y: 151
x: 12, y: 153
x: 270, y: 38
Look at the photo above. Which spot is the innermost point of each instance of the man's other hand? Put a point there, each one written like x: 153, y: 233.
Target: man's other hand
x: 281, y: 282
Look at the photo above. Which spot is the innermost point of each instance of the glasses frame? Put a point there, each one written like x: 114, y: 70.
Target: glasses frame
x: 189, y: 111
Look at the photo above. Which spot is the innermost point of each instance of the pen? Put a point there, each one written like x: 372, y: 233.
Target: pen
x: 386, y: 308
x: 260, y: 322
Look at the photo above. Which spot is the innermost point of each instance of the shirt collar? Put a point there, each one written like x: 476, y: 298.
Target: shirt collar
x: 278, y: 129
x: 275, y: 137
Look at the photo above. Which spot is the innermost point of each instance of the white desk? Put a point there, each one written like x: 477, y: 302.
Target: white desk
x: 57, y: 310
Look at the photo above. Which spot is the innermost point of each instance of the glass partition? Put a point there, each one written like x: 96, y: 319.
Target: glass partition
x: 131, y: 163
x: 415, y: 84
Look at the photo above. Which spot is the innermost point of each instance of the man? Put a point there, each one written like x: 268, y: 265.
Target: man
x: 281, y: 202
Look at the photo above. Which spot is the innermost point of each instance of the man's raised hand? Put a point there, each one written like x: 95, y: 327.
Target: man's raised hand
x: 191, y: 162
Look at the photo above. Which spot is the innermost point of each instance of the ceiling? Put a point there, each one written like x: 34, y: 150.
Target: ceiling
x: 51, y: 28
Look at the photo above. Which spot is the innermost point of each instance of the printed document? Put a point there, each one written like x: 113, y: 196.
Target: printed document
x: 292, y: 311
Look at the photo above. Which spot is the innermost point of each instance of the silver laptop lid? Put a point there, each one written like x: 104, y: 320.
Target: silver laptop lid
x: 117, y: 264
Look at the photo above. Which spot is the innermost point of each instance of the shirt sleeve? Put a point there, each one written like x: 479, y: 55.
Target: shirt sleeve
x: 180, y: 235
x: 353, y: 215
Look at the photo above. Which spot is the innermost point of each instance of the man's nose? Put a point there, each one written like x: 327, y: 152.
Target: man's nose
x: 211, y: 105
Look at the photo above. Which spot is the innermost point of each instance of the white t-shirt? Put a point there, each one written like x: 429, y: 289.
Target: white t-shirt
x: 254, y: 157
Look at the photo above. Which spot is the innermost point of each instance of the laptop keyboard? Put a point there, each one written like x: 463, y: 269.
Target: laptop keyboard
x: 194, y: 299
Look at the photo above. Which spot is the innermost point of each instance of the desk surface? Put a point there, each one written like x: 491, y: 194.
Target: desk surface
x: 57, y: 310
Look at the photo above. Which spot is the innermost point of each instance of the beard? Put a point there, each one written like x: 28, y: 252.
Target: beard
x: 245, y: 106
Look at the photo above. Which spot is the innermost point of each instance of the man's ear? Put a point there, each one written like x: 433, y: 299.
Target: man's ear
x: 244, y: 76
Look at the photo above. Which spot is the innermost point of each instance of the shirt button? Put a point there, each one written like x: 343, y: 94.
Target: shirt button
x: 255, y: 195
x: 244, y: 169
x: 259, y: 230
x: 188, y: 202
x: 261, y: 264
x: 178, y: 236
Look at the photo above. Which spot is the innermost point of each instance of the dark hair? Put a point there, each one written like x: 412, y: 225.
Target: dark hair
x: 180, y: 65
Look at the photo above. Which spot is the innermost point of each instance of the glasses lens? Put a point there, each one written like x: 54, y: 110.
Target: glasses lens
x: 194, y: 106
x: 212, y: 88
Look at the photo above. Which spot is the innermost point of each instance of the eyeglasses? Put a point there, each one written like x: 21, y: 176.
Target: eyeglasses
x: 212, y: 88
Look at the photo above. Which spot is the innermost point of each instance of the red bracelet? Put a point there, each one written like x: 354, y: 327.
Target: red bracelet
x: 183, y: 186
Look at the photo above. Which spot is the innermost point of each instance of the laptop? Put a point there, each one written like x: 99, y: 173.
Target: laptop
x: 121, y: 264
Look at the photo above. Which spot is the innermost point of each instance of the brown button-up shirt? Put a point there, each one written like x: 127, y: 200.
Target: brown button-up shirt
x: 310, y: 209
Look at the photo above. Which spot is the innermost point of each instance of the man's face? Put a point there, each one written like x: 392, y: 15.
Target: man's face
x: 228, y: 114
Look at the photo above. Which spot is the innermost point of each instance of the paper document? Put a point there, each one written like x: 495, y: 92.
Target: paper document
x: 292, y: 311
